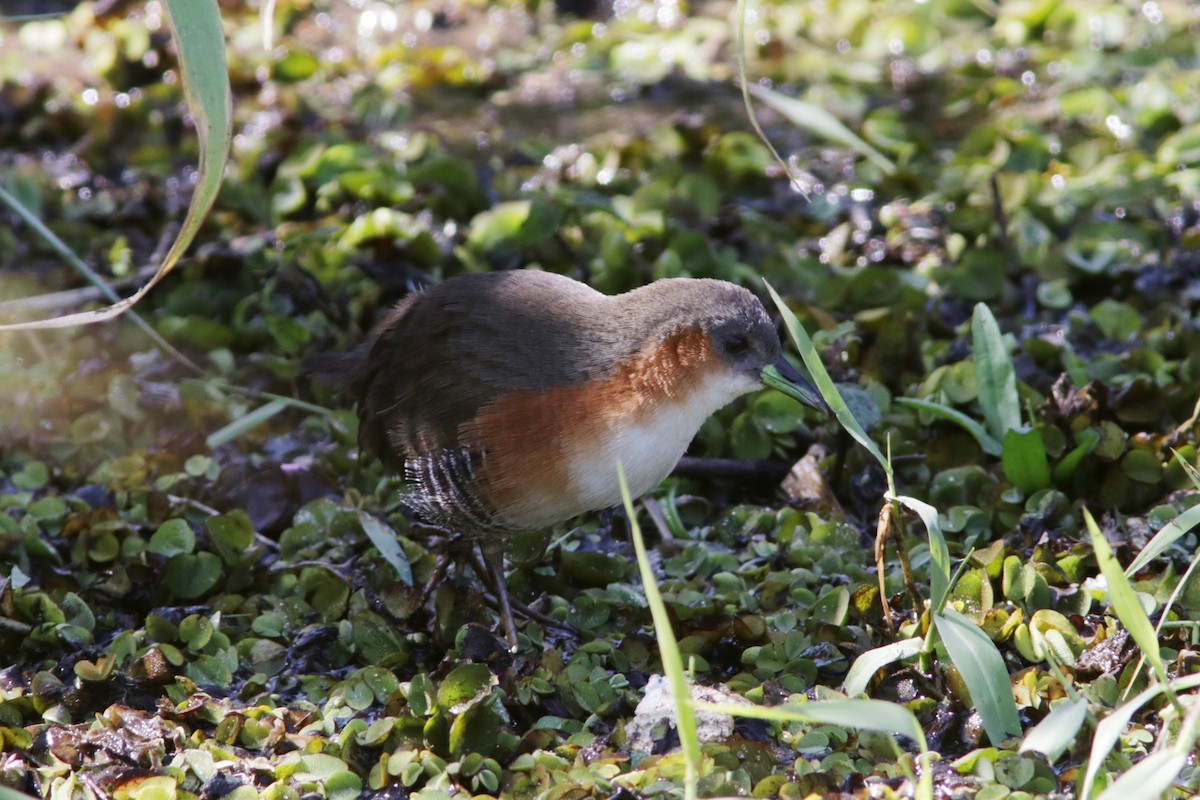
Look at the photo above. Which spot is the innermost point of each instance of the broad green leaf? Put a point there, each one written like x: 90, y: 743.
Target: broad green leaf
x: 230, y: 533
x: 476, y: 730
x: 465, y: 686
x: 982, y: 669
x: 377, y: 641
x: 995, y: 379
x: 1024, y: 459
x: 172, y: 538
x: 1142, y: 466
x: 190, y: 575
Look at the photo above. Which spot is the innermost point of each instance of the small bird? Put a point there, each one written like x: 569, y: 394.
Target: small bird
x: 508, y: 398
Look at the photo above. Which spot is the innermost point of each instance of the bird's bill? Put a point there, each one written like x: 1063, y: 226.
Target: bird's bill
x: 783, y: 377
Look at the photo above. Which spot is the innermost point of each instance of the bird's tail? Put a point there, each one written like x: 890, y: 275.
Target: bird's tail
x: 343, y: 371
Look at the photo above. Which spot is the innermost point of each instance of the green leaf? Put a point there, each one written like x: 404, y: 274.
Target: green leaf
x: 1109, y: 730
x: 295, y: 66
x: 777, y: 413
x: 1116, y: 320
x: 939, y: 577
x: 343, y: 785
x: 230, y: 534
x: 1024, y: 459
x: 196, y: 631
x: 476, y: 730
x: 1142, y: 466
x: 465, y: 686
x: 189, y: 576
x: 982, y: 669
x: 173, y: 537
x: 869, y: 715
x: 385, y: 541
x: 1088, y: 438
x: 748, y: 439
x: 500, y: 226
x: 870, y: 662
x: 377, y: 642
x: 1150, y: 778
x: 200, y: 43
x: 542, y: 223
x: 34, y: 475
x: 995, y: 379
x: 209, y: 670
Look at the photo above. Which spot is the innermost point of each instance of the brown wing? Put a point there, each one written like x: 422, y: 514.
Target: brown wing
x: 444, y: 354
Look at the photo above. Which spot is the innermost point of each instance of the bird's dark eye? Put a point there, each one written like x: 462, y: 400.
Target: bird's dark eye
x: 736, y: 345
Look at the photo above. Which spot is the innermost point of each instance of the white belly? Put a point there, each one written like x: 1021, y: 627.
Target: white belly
x: 649, y: 448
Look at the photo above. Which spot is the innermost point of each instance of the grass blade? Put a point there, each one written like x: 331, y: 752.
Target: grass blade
x: 244, y: 423
x: 822, y: 123
x: 988, y: 443
x: 12, y: 794
x: 200, y: 42
x: 1167, y: 535
x: 869, y: 715
x: 1108, y: 731
x: 1053, y: 735
x: 823, y: 382
x: 1124, y: 601
x: 939, y: 574
x: 90, y: 275
x: 672, y: 661
x: 1065, y: 469
x: 1149, y: 778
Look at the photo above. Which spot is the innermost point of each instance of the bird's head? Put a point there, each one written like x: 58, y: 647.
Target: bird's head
x: 741, y: 341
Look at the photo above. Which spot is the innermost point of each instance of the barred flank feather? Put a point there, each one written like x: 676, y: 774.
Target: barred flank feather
x: 447, y: 492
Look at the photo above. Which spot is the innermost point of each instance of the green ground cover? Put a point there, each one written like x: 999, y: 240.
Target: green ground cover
x: 200, y: 591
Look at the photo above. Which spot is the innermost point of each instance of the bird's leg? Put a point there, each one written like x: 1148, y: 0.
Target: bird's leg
x: 492, y: 553
x: 439, y: 572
